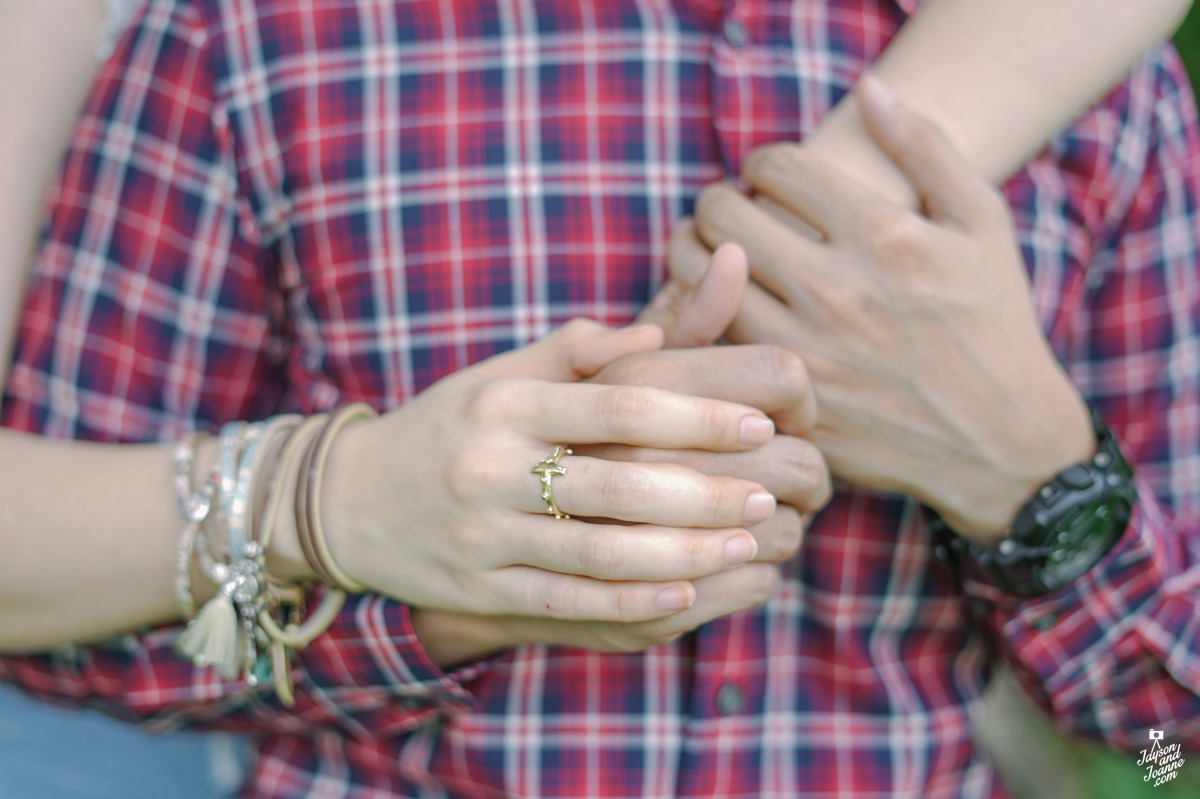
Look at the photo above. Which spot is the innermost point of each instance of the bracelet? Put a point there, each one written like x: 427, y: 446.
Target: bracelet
x: 296, y: 636
x: 309, y: 530
x: 244, y: 616
x: 213, y: 637
x: 194, y: 507
x: 237, y: 439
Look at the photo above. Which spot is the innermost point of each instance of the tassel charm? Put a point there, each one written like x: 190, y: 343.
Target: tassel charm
x: 213, y: 638
x: 220, y: 636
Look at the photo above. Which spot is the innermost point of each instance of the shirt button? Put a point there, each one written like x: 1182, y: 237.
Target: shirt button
x: 735, y: 33
x: 729, y: 699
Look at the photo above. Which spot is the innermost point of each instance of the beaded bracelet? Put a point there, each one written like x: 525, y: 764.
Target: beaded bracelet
x: 243, y: 616
x: 224, y: 633
x: 194, y: 507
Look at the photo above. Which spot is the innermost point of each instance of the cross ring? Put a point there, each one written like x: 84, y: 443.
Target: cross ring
x: 548, y: 468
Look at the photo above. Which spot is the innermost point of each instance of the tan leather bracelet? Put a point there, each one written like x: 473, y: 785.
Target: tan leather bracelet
x: 295, y: 636
x: 309, y: 530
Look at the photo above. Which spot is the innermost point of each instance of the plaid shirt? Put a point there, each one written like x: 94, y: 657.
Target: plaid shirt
x: 287, y: 204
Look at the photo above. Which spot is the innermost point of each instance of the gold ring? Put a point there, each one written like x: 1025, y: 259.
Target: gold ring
x: 548, y: 468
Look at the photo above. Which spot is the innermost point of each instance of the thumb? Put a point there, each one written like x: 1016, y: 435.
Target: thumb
x: 948, y: 186
x: 577, y: 350
x: 695, y: 314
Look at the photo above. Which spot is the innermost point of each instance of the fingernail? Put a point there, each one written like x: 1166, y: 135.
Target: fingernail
x: 756, y: 431
x: 759, y: 506
x: 675, y: 598
x: 740, y: 550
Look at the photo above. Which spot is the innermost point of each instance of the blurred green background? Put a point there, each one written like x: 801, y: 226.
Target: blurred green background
x: 1188, y: 42
x: 1037, y: 761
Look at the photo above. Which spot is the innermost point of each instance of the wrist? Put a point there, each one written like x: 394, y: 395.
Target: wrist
x: 1061, y: 533
x: 346, y: 500
x: 1060, y: 435
x: 842, y: 142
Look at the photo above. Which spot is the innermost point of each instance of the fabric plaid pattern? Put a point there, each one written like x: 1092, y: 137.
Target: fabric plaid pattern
x: 286, y: 204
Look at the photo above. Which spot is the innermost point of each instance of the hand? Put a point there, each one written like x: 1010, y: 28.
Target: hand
x: 931, y: 371
x: 434, y: 503
x: 454, y: 638
x: 770, y: 379
x: 694, y: 308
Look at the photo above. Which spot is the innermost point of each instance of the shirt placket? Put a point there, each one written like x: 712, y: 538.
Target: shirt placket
x: 721, y: 756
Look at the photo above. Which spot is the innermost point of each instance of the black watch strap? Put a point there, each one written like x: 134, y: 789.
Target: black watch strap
x: 1064, y: 530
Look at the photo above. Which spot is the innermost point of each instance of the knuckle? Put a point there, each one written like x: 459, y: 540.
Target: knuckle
x: 780, y: 536
x: 892, y: 235
x: 713, y: 205
x: 711, y: 425
x: 918, y: 138
x: 788, y: 369
x: 687, y: 256
x: 619, y: 487
x: 814, y: 473
x: 762, y: 579
x: 636, y: 370
x: 599, y: 555
x: 466, y: 476
x: 579, y: 329
x: 620, y: 409
x: 723, y: 502
x: 629, y: 605
x: 489, y: 401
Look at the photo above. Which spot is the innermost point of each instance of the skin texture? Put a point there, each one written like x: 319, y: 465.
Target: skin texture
x: 65, y: 574
x: 931, y: 372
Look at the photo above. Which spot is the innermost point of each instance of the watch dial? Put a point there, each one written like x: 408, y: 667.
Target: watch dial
x: 1083, y: 540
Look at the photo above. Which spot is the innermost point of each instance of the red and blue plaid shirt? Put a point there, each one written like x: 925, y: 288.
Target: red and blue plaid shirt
x: 287, y: 204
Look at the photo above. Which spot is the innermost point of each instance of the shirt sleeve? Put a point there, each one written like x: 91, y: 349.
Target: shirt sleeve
x: 153, y: 311
x: 1118, y: 653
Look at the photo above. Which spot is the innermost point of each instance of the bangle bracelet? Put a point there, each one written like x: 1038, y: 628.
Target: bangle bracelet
x: 291, y: 636
x: 309, y: 529
x: 239, y: 446
x: 231, y: 439
x: 296, y: 637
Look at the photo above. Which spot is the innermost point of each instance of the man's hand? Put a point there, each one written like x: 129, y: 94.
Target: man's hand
x: 932, y: 374
x: 695, y: 307
x: 770, y: 379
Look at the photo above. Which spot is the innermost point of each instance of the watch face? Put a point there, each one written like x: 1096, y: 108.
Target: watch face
x: 1061, y: 533
x: 1082, y: 540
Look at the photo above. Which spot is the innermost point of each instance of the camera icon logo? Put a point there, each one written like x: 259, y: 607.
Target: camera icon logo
x: 1156, y: 735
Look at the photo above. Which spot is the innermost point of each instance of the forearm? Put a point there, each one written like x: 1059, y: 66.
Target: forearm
x: 999, y: 78
x: 89, y: 534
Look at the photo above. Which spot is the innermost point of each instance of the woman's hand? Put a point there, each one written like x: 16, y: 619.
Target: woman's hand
x: 435, y: 503
x: 451, y: 639
x: 792, y: 469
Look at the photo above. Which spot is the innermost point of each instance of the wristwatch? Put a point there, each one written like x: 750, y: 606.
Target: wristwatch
x: 1060, y: 534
